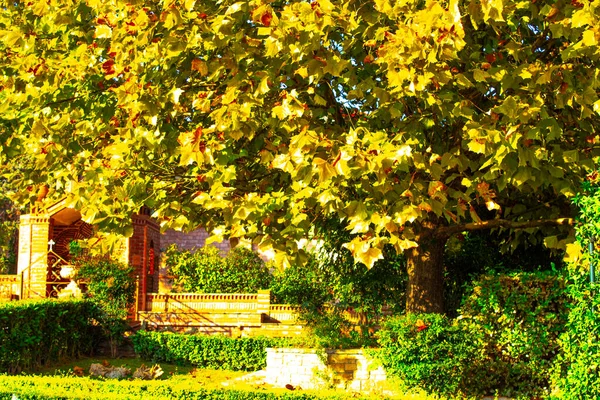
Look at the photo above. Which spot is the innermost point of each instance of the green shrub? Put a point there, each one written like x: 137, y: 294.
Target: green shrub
x: 521, y: 317
x: 111, y: 286
x: 35, y: 333
x: 470, y: 255
x: 55, y: 388
x: 205, y: 271
x: 213, y: 352
x: 433, y: 353
x: 331, y: 283
x: 576, y: 372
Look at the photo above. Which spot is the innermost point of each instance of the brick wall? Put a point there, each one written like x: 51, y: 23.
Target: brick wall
x: 190, y: 240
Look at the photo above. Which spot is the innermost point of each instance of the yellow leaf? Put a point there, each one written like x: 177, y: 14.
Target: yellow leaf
x: 230, y: 95
x: 580, y: 18
x: 492, y: 205
x: 303, y: 72
x: 189, y: 4
x: 363, y: 252
x: 264, y: 85
x: 477, y: 146
x: 103, y: 32
x: 326, y: 171
x: 573, y: 253
x: 589, y: 38
x: 479, y: 75
x: 279, y: 112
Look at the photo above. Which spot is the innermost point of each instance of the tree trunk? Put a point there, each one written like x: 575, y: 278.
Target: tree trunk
x: 425, y: 264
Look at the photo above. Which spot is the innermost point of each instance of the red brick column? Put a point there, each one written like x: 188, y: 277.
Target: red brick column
x: 144, y: 255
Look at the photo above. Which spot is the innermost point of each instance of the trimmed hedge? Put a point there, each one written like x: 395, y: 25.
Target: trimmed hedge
x: 55, y: 388
x: 35, y: 333
x: 213, y: 352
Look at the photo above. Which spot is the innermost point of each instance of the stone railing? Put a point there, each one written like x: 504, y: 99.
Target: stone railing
x: 235, y: 314
x: 283, y: 313
x: 204, y: 302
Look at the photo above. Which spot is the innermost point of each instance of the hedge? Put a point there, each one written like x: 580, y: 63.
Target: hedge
x: 35, y: 333
x: 212, y: 352
x: 56, y: 387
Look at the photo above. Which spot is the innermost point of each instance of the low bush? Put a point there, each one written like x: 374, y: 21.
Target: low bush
x: 111, y: 287
x: 576, y: 372
x: 213, y: 352
x: 431, y: 352
x: 520, y: 318
x: 69, y: 387
x: 505, y: 342
x: 35, y: 333
x: 205, y: 271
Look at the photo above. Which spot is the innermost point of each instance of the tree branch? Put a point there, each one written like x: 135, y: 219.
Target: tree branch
x: 502, y: 223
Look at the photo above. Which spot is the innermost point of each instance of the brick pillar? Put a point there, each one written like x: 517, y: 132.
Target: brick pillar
x: 32, y: 263
x: 144, y: 248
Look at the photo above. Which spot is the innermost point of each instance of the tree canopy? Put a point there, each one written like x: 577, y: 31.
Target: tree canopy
x: 410, y: 121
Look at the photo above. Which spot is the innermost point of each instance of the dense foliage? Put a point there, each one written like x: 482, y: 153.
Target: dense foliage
x: 577, y: 370
x: 326, y: 288
x: 473, y: 254
x: 409, y: 121
x: 204, y: 270
x: 506, y: 340
x: 36, y: 333
x: 111, y: 286
x: 432, y: 352
x: 8, y: 236
x: 213, y: 352
x: 520, y: 318
x: 70, y: 387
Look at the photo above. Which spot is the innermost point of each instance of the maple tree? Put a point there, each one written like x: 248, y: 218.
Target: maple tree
x: 411, y: 121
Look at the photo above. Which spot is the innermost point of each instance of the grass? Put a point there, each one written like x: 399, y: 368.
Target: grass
x: 188, y: 378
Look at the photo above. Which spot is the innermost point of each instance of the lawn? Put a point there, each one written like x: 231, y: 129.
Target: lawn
x: 72, y: 380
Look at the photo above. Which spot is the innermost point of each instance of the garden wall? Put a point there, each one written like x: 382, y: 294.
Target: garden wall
x: 234, y: 314
x: 314, y: 369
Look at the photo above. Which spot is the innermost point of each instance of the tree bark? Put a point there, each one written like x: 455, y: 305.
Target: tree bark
x: 425, y: 264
